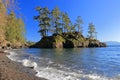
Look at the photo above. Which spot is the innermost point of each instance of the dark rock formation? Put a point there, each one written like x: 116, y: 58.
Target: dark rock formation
x: 95, y: 43
x: 55, y: 41
x: 67, y: 40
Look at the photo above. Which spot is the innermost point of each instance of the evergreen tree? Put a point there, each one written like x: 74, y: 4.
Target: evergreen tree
x: 14, y: 29
x: 11, y: 28
x: 58, y: 22
x: 56, y: 19
x: 78, y: 24
x: 44, y: 20
x: 62, y: 15
x: 2, y: 21
x: 91, y: 31
x: 66, y: 22
x: 72, y: 27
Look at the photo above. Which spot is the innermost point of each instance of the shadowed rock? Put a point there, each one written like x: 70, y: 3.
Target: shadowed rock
x: 67, y: 40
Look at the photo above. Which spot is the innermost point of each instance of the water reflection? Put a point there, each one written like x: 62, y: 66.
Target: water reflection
x: 102, y: 61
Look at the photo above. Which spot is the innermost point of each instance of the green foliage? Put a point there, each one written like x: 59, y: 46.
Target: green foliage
x: 44, y: 20
x: 11, y: 28
x: 14, y: 29
x: 72, y: 27
x: 92, y: 31
x: 78, y: 23
x: 56, y: 19
x: 58, y: 39
x: 66, y: 23
x: 57, y: 22
x: 2, y: 21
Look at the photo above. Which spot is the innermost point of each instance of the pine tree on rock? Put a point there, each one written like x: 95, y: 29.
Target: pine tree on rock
x: 91, y: 31
x: 56, y: 19
x: 79, y: 23
x: 44, y: 20
x: 66, y: 21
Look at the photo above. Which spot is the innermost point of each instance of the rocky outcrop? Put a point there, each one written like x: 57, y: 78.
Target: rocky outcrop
x: 55, y: 41
x: 96, y: 43
x: 67, y: 40
x: 8, y: 45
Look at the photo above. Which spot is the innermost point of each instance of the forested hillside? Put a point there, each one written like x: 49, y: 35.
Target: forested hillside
x: 11, y: 27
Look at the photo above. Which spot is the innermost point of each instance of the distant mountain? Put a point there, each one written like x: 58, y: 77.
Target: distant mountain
x: 112, y: 43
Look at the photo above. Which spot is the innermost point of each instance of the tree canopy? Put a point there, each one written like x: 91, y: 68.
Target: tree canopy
x: 59, y: 22
x: 92, y: 31
x: 11, y: 27
x: 56, y: 21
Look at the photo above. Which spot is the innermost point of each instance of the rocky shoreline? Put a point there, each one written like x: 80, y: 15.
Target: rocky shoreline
x: 63, y: 40
x: 68, y: 40
x: 10, y: 70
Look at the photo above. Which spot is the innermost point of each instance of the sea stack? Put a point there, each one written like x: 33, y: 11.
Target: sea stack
x: 67, y: 40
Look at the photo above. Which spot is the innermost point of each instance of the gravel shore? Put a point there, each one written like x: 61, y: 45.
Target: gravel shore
x: 10, y: 70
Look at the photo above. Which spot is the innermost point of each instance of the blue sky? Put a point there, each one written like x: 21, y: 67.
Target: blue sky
x: 105, y: 14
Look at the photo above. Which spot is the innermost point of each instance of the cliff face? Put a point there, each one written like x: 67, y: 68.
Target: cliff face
x: 67, y: 40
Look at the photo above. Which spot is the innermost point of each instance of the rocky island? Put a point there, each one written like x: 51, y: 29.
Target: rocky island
x: 67, y: 40
x: 64, y: 34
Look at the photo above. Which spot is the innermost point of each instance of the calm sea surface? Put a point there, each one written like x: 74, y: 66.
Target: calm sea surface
x: 73, y: 64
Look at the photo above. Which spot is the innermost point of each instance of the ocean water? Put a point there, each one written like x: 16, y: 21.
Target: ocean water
x: 71, y: 64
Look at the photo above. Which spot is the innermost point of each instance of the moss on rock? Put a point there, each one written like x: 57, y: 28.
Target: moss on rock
x: 67, y: 40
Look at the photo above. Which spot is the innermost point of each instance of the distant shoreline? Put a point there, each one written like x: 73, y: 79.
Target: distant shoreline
x: 13, y: 70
